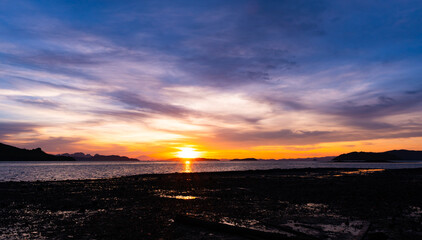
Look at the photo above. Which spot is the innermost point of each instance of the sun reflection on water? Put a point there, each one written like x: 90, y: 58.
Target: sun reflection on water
x: 188, y: 167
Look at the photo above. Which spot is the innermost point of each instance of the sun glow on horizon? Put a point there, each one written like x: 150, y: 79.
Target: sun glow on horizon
x: 188, y: 152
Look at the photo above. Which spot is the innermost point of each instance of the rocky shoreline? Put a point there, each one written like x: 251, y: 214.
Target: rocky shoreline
x: 294, y: 203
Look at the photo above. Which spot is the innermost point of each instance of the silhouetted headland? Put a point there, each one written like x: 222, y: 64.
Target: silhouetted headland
x: 10, y: 153
x: 394, y: 155
x: 79, y: 156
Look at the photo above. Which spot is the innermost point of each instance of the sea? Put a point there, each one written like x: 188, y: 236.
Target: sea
x: 80, y: 170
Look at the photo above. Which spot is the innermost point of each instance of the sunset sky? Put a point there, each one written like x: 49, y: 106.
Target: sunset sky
x: 265, y: 79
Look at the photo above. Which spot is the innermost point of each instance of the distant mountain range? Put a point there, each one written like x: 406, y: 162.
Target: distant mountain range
x: 394, y: 155
x: 79, y: 156
x: 194, y: 159
x: 244, y: 159
x: 10, y: 153
x: 328, y: 158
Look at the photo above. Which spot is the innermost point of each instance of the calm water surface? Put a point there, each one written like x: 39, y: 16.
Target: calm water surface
x: 47, y: 171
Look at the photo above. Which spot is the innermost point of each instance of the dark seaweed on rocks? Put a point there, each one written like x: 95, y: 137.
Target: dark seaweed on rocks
x: 324, y: 203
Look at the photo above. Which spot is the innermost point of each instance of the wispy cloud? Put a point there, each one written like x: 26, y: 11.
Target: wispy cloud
x: 10, y: 129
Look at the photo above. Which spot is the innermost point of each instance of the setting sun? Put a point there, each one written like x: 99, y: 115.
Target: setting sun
x: 187, y: 152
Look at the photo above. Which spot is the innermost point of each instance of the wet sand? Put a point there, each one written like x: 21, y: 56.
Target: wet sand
x: 290, y: 204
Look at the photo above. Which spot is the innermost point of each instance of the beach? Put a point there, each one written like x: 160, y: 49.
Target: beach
x: 286, y: 204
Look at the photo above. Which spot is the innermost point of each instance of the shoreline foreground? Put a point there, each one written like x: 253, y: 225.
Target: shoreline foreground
x: 259, y: 204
